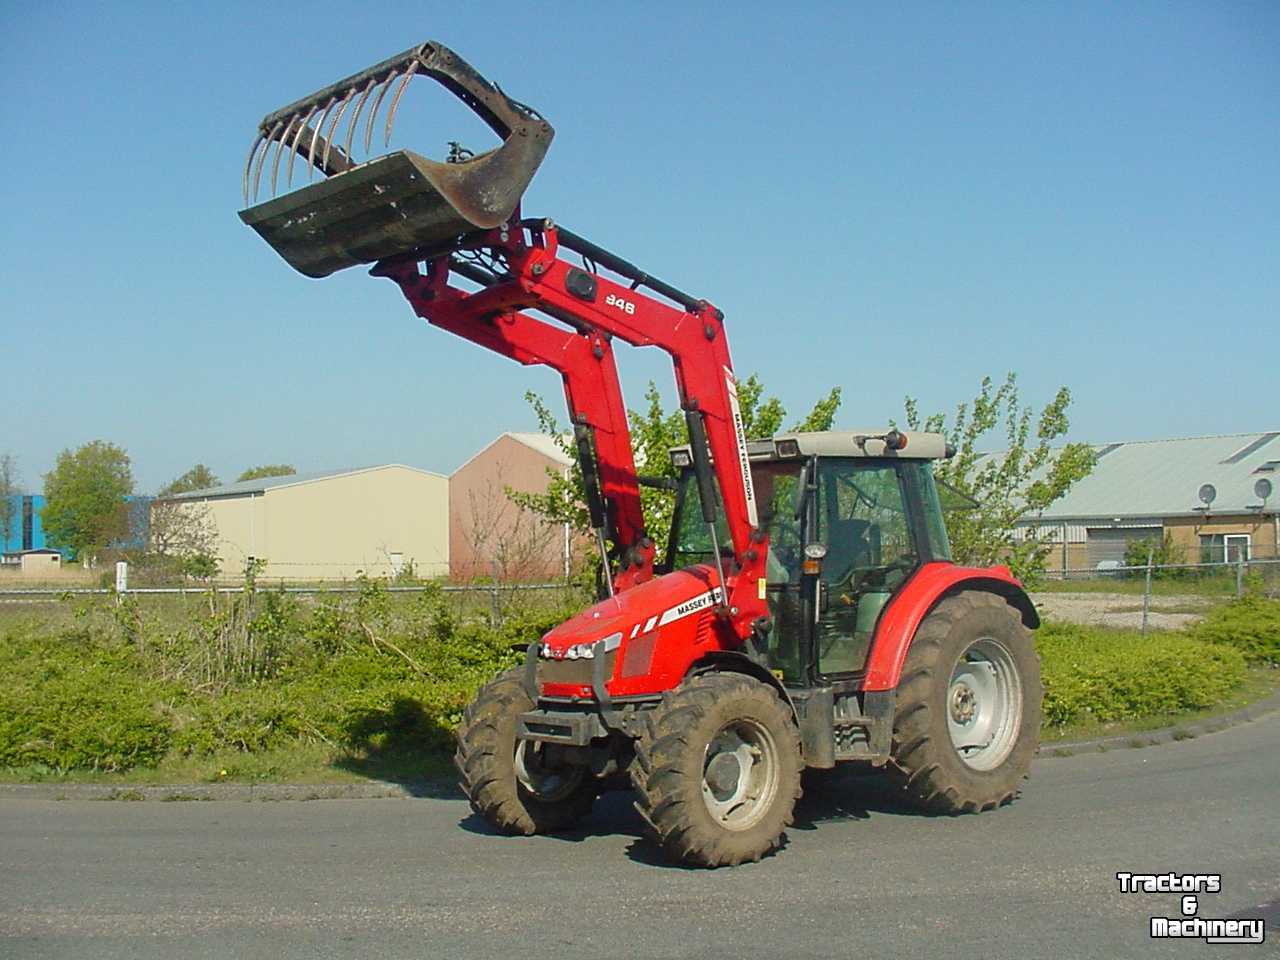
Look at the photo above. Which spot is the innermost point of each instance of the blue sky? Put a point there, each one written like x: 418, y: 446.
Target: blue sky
x: 897, y: 199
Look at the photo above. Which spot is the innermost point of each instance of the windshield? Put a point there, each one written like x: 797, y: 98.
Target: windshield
x: 775, y: 487
x: 861, y: 515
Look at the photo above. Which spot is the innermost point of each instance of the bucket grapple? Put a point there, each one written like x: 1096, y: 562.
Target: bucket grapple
x: 401, y: 201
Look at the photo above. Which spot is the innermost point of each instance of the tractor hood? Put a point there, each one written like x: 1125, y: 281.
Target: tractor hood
x: 634, y: 612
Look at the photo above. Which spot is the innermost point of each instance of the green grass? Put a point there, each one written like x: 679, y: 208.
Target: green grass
x: 299, y: 762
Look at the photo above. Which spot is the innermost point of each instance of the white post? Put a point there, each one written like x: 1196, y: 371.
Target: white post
x: 122, y: 578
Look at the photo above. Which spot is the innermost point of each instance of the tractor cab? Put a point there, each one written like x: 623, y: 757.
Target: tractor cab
x: 850, y: 517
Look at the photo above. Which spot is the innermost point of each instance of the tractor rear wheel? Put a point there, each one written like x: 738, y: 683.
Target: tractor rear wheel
x: 968, y: 707
x: 717, y: 770
x: 510, y: 782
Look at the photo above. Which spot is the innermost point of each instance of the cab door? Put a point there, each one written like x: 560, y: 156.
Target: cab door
x: 863, y: 520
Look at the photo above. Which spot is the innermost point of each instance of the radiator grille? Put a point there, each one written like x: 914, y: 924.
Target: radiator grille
x: 573, y: 671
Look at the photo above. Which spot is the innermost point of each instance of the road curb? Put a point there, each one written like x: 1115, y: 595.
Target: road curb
x: 1151, y: 738
x: 447, y: 789
x: 372, y: 790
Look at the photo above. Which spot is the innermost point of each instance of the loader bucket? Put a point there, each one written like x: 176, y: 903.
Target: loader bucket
x: 397, y: 203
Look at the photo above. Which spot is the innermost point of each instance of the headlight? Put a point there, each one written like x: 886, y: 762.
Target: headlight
x: 584, y: 651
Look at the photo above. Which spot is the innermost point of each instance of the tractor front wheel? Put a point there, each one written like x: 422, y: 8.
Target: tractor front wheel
x: 510, y: 782
x: 968, y: 707
x: 717, y: 770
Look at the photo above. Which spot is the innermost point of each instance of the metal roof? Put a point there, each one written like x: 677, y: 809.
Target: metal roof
x: 1162, y: 478
x: 251, y: 487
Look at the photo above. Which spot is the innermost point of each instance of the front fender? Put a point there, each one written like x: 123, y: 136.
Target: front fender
x: 924, y: 591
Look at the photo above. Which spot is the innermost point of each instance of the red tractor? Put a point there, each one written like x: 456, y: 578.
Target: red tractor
x: 805, y: 612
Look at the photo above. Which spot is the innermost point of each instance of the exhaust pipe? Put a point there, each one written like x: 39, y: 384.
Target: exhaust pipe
x: 397, y: 203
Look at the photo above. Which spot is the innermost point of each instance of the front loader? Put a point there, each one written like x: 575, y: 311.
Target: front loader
x: 805, y: 612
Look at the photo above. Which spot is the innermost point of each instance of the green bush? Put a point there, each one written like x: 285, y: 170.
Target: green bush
x: 106, y: 685
x: 1094, y: 673
x: 1250, y: 625
x: 1163, y: 551
x: 68, y: 701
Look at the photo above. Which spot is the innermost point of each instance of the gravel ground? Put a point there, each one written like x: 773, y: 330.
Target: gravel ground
x: 1119, y: 610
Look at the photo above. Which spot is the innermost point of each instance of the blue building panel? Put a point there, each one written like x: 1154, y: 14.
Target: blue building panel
x: 25, y: 529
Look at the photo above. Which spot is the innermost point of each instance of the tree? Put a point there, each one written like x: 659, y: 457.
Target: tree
x: 85, y: 497
x: 1019, y: 483
x: 1162, y: 553
x: 183, y: 531
x: 198, y: 477
x: 8, y: 490
x: 654, y: 432
x: 267, y: 470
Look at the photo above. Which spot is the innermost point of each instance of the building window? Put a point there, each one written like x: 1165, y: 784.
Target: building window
x: 1225, y: 547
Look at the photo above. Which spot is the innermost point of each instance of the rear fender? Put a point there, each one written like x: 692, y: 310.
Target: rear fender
x: 930, y: 585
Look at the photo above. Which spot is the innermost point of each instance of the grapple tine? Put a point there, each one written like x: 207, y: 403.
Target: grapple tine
x: 373, y: 114
x: 297, y: 139
x: 395, y: 101
x: 262, y: 157
x: 248, y: 164
x: 284, y: 142
x: 315, y: 137
x: 355, y: 117
x: 333, y: 127
x: 392, y: 205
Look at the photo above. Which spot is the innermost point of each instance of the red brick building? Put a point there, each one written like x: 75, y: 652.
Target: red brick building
x: 489, y: 536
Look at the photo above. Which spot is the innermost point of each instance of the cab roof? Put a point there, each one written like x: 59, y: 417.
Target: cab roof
x: 845, y: 443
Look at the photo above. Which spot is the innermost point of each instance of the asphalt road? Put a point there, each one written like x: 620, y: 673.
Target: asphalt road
x: 859, y: 876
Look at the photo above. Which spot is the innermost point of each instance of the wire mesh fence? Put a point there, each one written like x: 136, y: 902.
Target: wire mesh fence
x: 1232, y: 576
x: 1150, y: 587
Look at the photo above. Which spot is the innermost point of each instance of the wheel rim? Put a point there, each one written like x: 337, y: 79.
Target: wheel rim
x: 984, y: 704
x: 548, y: 784
x: 740, y: 774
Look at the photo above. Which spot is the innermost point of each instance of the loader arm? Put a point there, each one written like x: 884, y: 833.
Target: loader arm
x: 461, y: 218
x: 585, y: 363
x: 528, y: 273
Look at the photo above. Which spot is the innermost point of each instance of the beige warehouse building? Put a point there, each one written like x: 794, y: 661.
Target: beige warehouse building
x: 330, y: 526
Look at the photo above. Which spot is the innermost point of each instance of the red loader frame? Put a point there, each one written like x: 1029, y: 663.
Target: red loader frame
x: 598, y: 309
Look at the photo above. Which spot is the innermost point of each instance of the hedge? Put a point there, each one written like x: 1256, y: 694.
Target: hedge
x: 1250, y: 625
x: 106, y: 686
x: 1095, y: 673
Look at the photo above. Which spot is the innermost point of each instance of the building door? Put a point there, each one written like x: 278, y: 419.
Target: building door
x: 1110, y: 543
